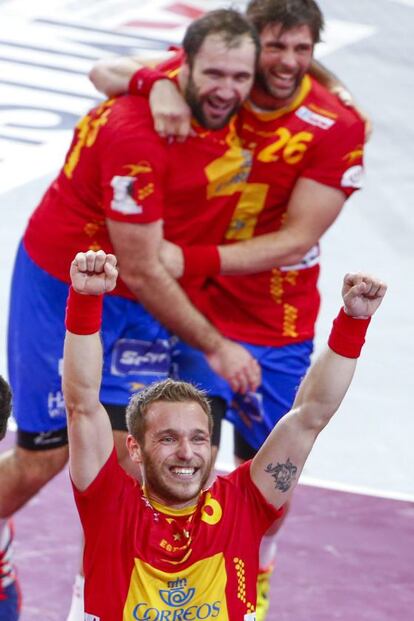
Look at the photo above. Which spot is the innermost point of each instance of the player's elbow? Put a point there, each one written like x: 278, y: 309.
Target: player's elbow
x: 296, y: 254
x: 98, y: 75
x: 315, y: 416
x: 138, y: 278
x: 79, y: 402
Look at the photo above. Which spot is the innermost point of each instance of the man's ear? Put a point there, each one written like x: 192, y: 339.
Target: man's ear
x: 184, y: 74
x: 134, y: 449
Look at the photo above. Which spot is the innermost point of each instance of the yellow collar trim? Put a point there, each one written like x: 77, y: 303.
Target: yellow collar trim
x: 169, y: 510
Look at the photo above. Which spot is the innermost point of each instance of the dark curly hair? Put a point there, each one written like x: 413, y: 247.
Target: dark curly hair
x: 289, y: 13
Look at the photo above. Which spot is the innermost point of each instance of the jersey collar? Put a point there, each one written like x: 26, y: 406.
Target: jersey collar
x: 269, y: 115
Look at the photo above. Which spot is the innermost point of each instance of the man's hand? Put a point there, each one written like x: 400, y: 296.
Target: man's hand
x: 362, y: 294
x: 171, y: 113
x: 93, y: 273
x: 233, y: 362
x: 172, y: 258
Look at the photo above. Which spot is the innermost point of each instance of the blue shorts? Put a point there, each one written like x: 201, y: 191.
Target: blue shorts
x: 255, y: 414
x: 137, y: 348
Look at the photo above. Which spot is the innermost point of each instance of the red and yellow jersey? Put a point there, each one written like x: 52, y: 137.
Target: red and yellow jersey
x: 118, y: 168
x: 316, y: 137
x: 145, y: 561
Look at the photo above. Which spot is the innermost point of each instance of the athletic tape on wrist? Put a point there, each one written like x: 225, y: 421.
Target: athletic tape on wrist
x: 201, y: 260
x: 83, y: 313
x: 143, y: 80
x: 348, y: 335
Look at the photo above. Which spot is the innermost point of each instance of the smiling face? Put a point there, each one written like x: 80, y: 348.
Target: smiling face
x: 285, y: 58
x: 219, y: 79
x: 176, y: 452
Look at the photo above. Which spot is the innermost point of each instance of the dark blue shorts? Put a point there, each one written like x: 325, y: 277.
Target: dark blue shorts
x: 137, y: 349
x: 255, y: 414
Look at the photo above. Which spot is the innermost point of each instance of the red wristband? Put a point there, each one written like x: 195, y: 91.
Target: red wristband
x: 348, y: 335
x: 143, y: 80
x: 83, y: 313
x: 201, y: 260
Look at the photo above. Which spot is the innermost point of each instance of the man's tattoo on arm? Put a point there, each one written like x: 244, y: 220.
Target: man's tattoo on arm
x: 283, y: 474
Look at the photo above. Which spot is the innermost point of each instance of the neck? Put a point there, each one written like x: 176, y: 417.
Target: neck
x: 168, y: 503
x: 266, y: 101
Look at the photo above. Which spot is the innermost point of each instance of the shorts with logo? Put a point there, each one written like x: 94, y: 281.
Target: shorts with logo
x: 137, y: 351
x: 254, y: 414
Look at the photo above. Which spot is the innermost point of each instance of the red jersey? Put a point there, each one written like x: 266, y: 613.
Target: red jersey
x: 146, y: 561
x: 315, y: 137
x: 118, y: 168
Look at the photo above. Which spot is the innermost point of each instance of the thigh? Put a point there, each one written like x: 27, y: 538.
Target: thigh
x: 254, y: 415
x: 35, y: 349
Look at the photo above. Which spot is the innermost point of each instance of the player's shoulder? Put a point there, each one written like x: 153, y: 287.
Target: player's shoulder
x: 236, y: 479
x: 128, y: 117
x: 131, y: 110
x: 328, y: 106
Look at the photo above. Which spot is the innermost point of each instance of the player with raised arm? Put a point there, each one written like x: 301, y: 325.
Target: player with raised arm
x: 172, y: 543
x: 110, y: 193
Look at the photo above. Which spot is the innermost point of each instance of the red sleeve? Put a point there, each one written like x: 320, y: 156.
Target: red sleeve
x: 171, y: 65
x: 337, y: 159
x: 134, y: 168
x: 143, y: 79
x: 261, y: 511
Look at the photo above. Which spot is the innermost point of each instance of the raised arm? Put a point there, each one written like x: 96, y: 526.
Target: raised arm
x: 89, y: 429
x: 278, y: 464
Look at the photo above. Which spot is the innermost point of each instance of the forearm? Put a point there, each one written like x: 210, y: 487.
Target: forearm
x: 323, y: 390
x: 82, y: 371
x: 311, y: 210
x: 111, y: 76
x: 265, y: 252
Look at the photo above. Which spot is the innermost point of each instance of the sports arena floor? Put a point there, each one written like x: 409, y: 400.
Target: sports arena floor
x: 347, y: 551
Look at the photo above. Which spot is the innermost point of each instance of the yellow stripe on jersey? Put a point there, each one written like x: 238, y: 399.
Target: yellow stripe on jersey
x: 196, y: 592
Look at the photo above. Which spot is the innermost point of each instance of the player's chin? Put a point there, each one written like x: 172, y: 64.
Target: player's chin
x: 186, y: 491
x: 216, y: 120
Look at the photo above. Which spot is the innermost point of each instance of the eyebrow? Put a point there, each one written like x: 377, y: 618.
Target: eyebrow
x: 176, y: 431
